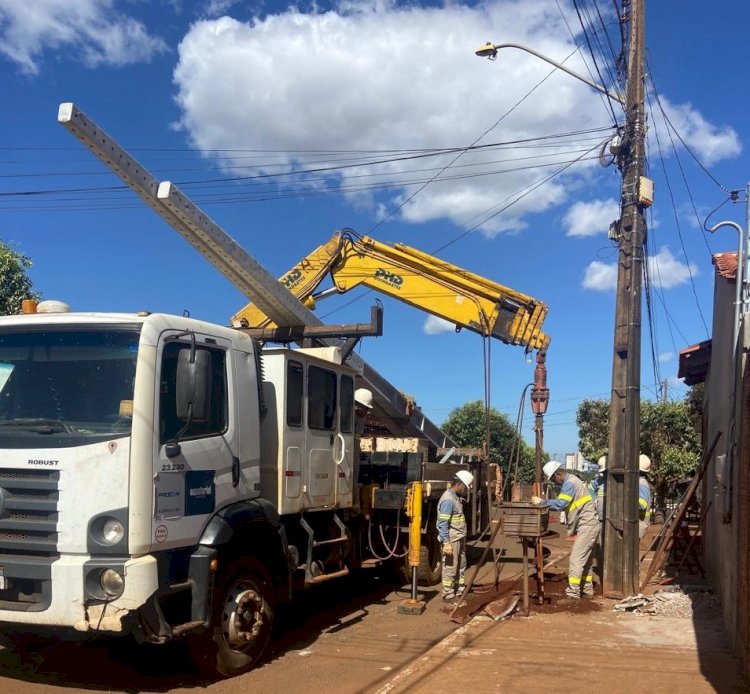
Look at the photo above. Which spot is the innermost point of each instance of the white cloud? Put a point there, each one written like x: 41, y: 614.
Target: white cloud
x: 664, y: 269
x: 600, y: 277
x: 384, y: 76
x: 218, y: 7
x: 92, y: 30
x: 435, y: 326
x: 591, y: 218
x: 665, y: 357
x: 710, y: 143
x: 377, y: 75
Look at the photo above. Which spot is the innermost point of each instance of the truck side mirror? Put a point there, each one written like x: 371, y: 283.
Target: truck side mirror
x: 193, y: 387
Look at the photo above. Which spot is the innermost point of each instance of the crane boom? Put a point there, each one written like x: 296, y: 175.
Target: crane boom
x: 418, y: 279
x: 238, y: 266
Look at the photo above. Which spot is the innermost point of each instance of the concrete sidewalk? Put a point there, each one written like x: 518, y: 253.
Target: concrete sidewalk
x: 576, y: 645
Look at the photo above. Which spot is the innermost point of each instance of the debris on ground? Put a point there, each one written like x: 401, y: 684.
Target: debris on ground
x: 685, y: 602
x: 632, y: 603
x: 502, y: 608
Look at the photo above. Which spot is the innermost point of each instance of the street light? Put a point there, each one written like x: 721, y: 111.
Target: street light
x: 741, y: 278
x: 489, y: 50
x: 621, y: 560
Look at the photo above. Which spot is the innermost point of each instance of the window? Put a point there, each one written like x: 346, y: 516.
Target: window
x: 66, y: 387
x: 294, y: 393
x: 169, y: 423
x: 321, y: 398
x: 347, y: 404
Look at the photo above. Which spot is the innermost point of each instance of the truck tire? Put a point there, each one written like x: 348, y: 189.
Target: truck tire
x: 430, y: 567
x: 241, y: 622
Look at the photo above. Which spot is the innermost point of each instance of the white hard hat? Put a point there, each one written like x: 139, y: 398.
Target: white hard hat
x: 466, y: 477
x: 363, y: 396
x: 644, y: 462
x: 602, y: 463
x: 551, y: 468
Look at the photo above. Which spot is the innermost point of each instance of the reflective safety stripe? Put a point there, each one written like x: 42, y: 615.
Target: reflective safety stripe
x: 643, y: 503
x: 448, y: 582
x: 589, y: 579
x: 565, y: 497
x: 580, y: 502
x: 444, y: 516
x: 574, y: 581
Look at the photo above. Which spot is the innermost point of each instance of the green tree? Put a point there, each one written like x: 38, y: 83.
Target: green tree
x: 593, y: 428
x: 467, y: 426
x: 670, y: 436
x: 15, y: 284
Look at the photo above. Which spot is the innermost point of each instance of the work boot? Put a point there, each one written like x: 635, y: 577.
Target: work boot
x: 588, y: 590
x: 449, y: 597
x: 572, y: 592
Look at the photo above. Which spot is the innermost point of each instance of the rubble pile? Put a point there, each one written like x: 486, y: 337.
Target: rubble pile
x: 676, y: 601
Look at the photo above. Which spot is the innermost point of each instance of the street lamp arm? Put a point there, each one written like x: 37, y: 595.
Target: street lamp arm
x: 489, y: 50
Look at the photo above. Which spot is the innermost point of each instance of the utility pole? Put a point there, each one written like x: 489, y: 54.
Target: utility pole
x: 621, y: 510
x: 664, y: 386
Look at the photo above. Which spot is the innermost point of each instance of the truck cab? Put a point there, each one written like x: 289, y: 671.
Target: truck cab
x: 145, y: 458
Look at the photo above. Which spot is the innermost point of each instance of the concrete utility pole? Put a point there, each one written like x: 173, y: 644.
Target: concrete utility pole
x: 621, y: 511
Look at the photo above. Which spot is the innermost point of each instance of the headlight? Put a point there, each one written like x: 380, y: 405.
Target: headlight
x: 112, y: 531
x: 112, y: 583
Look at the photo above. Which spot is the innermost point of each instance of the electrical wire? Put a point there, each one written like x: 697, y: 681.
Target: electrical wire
x: 478, y: 139
x: 677, y: 222
x: 684, y: 144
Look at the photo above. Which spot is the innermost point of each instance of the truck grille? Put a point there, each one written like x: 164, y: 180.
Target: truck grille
x: 28, y: 518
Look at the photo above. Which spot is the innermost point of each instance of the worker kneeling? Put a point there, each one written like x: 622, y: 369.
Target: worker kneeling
x: 575, y: 499
x: 451, y: 527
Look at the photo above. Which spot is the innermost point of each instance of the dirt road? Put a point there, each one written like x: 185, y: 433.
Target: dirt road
x: 345, y: 637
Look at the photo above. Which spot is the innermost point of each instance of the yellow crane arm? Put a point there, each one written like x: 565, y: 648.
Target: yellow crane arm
x: 302, y: 280
x: 421, y: 280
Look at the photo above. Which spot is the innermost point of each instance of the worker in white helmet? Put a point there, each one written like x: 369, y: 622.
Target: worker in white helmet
x: 451, y: 527
x: 644, y: 495
x: 575, y: 499
x: 362, y: 405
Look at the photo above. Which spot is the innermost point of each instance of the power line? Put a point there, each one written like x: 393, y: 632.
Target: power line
x: 677, y: 221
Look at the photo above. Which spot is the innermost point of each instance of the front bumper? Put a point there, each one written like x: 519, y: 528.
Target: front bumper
x: 64, y: 600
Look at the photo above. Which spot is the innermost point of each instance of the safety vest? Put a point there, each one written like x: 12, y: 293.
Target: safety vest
x: 644, y: 499
x: 451, y: 522
x: 575, y: 499
x: 596, y: 488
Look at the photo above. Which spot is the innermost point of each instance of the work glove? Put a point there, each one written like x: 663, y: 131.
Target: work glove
x: 536, y: 500
x: 448, y: 549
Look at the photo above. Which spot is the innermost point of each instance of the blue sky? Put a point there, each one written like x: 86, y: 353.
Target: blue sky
x: 205, y: 92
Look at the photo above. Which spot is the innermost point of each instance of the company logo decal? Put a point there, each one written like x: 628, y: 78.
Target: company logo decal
x: 200, y: 492
x: 292, y: 279
x: 390, y: 278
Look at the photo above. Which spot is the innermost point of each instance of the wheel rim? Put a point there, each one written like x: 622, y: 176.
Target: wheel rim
x: 242, y: 617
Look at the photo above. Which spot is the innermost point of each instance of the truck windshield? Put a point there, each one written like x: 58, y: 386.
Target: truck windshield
x: 66, y: 387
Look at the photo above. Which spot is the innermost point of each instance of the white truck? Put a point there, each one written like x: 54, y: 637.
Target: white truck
x: 160, y: 476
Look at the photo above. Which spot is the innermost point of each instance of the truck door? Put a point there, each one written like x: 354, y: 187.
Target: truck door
x: 197, y: 476
x: 346, y: 449
x: 322, y: 434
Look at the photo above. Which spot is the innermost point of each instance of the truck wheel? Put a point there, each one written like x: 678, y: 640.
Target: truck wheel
x: 429, y: 570
x: 241, y: 623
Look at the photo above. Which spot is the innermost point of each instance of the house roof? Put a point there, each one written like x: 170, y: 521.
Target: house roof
x: 694, y: 361
x: 726, y: 264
